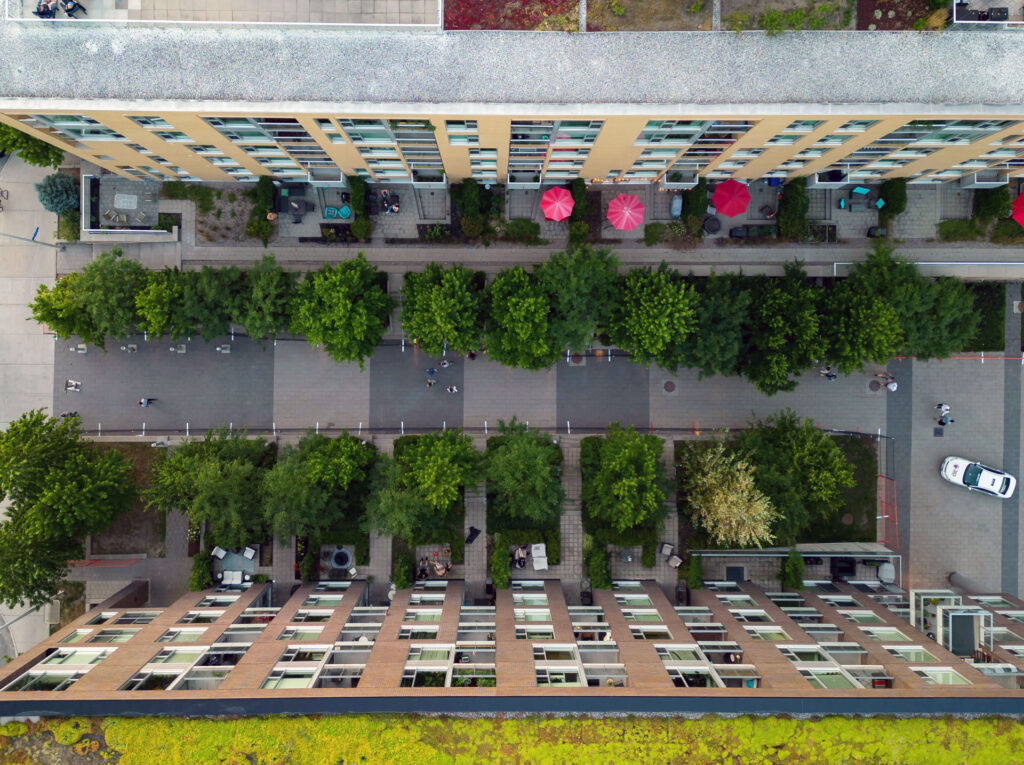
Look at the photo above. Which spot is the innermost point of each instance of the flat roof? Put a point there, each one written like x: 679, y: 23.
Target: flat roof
x: 288, y: 69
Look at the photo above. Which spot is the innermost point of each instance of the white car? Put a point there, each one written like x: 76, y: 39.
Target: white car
x: 978, y: 477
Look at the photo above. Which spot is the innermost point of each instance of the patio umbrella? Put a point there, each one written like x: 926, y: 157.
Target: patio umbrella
x: 557, y: 203
x: 731, y: 198
x: 1017, y: 210
x: 626, y: 212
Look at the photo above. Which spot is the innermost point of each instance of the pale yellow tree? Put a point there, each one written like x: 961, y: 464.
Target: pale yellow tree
x: 718, y: 486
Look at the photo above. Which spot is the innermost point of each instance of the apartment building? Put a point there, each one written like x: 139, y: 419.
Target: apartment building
x: 861, y: 639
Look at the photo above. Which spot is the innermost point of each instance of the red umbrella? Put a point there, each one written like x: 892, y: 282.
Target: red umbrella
x: 1018, y: 210
x: 626, y: 212
x: 556, y: 203
x: 731, y: 198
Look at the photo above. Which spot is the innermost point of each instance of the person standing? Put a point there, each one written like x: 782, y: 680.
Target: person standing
x: 945, y: 420
x: 146, y: 401
x: 943, y: 409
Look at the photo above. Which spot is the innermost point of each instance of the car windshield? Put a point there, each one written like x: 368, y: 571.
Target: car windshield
x: 1004, y: 486
x: 972, y: 474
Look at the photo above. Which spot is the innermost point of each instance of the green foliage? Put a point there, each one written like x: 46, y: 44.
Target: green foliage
x: 320, y: 483
x: 33, y: 151
x: 214, y: 481
x: 500, y: 567
x: 162, y: 304
x: 579, y: 233
x: 792, y: 212
x: 216, y: 297
x: 582, y: 287
x: 959, y: 230
x: 357, y: 188
x: 657, y: 309
x: 518, y: 331
x: 266, y: 299
x: 799, y: 468
x: 598, y: 568
x: 771, y: 22
x: 362, y: 229
x: 524, y: 473
x: 524, y: 231
x: 344, y: 308
x: 992, y: 203
x: 581, y: 208
x: 783, y: 336
x: 695, y: 200
x: 443, y: 308
x: 1007, y: 231
x: 624, y: 483
x: 71, y: 730
x: 937, y: 316
x: 259, y: 227
x: 402, y: 570
x: 201, y: 577
x: 990, y: 305
x: 473, y: 225
x: 59, y: 490
x: 201, y: 195
x: 436, y: 466
x: 894, y: 193
x: 791, y: 572
x: 58, y: 193
x: 265, y: 193
x: 716, y: 344
x: 68, y: 227
x: 859, y: 327
x: 695, y: 573
x: 654, y: 233
x: 95, y: 304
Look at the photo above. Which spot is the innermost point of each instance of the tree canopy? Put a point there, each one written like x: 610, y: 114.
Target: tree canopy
x: 60, y: 490
x: 518, y: 331
x: 32, y: 150
x: 165, y: 303
x: 624, y: 483
x: 524, y: 475
x: 656, y: 310
x: 345, y: 308
x: 858, y: 327
x: 266, y: 299
x: 715, y: 346
x: 582, y: 288
x: 443, y: 308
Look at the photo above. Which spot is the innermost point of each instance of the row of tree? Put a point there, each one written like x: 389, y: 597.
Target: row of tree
x: 765, y: 328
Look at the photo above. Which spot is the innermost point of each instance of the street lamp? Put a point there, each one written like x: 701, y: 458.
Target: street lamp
x: 33, y: 240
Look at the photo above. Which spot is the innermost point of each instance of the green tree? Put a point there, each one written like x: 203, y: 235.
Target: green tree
x: 443, y: 308
x: 718, y: 490
x: 315, y: 484
x: 582, y: 288
x: 783, y: 336
x: 628, y: 488
x: 216, y: 297
x: 799, y: 468
x: 266, y: 299
x: 60, y: 490
x: 58, y: 193
x: 394, y: 508
x: 344, y: 308
x: 97, y: 303
x: 716, y: 344
x: 894, y: 193
x: 32, y: 150
x: 436, y: 466
x: 791, y: 571
x: 858, y: 328
x: 793, y: 207
x: 518, y: 332
x: 164, y: 303
x: 657, y: 309
x: 524, y: 474
x: 937, y: 317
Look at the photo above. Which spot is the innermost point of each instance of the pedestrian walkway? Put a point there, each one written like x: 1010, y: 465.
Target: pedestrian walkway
x: 476, y: 563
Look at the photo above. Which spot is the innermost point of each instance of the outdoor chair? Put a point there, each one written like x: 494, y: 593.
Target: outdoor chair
x: 352, y: 572
x: 539, y: 554
x: 4, y: 194
x: 330, y: 212
x: 666, y: 549
x: 249, y: 553
x: 110, y: 215
x: 674, y: 561
x: 149, y: 196
x: 879, y: 203
x: 860, y: 191
x: 218, y: 553
x: 140, y: 217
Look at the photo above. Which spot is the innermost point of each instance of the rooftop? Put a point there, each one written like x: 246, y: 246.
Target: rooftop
x: 287, y: 69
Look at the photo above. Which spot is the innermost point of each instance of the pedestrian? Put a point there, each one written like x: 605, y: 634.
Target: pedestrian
x: 431, y: 371
x: 892, y: 385
x: 146, y: 401
x: 430, y: 382
x: 943, y: 409
x: 945, y: 420
x: 73, y: 385
x: 65, y: 415
x: 452, y: 389
x: 445, y: 363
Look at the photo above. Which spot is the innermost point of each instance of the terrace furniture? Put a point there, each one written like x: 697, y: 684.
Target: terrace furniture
x: 249, y: 553
x: 352, y: 572
x: 110, y: 215
x: 246, y: 577
x: 963, y: 13
x: 539, y: 553
x: 674, y: 561
x: 853, y: 205
x: 140, y: 217
x: 879, y: 203
x: 122, y: 218
x: 149, y: 196
x: 712, y: 225
x: 667, y: 548
x: 998, y: 14
x: 344, y: 212
x: 232, y: 577
x: 218, y: 553
x: 372, y: 203
x: 330, y: 212
x: 860, y: 191
x: 877, y: 232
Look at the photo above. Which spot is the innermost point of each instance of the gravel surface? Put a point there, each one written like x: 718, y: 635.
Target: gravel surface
x: 295, y: 68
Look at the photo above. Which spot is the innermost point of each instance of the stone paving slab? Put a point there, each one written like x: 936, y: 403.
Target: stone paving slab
x: 310, y: 387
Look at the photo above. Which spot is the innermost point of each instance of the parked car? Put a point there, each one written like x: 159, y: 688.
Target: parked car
x: 752, y: 230
x: 978, y: 477
x: 676, y: 206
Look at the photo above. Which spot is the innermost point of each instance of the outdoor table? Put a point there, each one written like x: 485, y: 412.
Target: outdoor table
x: 126, y: 201
x: 998, y: 14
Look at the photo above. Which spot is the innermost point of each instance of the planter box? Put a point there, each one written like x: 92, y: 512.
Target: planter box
x: 337, y: 233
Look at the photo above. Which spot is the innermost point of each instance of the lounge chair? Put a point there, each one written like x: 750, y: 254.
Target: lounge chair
x: 674, y: 561
x: 218, y: 553
x: 249, y: 553
x: 330, y: 212
x: 667, y: 548
x: 352, y: 572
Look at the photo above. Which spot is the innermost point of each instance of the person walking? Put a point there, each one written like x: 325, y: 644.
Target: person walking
x: 430, y: 382
x: 146, y: 401
x: 945, y: 420
x: 431, y: 371
x: 943, y: 409
x: 452, y: 389
x: 445, y: 363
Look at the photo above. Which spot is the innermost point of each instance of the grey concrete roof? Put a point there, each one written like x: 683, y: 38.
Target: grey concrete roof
x: 949, y: 71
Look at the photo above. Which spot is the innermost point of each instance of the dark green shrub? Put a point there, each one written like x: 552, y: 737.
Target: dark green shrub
x: 598, y: 570
x: 265, y: 192
x: 201, y: 577
x: 309, y: 569
x: 894, y: 193
x: 402, y: 570
x: 260, y: 579
x: 362, y: 228
x: 992, y: 203
x: 473, y: 226
x: 68, y: 226
x: 579, y: 197
x: 168, y: 221
x: 501, y: 567
x: 58, y: 193
x: 793, y: 207
x: 522, y: 230
x: 357, y: 189
x: 695, y: 573
x: 467, y: 198
x: 791, y: 572
x: 579, y: 233
x: 654, y: 233
x: 649, y: 554
x: 695, y: 200
x: 201, y: 195
x: 959, y: 230
x: 1008, y: 231
x: 258, y: 227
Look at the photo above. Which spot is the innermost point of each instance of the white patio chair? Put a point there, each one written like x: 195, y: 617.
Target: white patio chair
x: 249, y: 553
x: 218, y: 553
